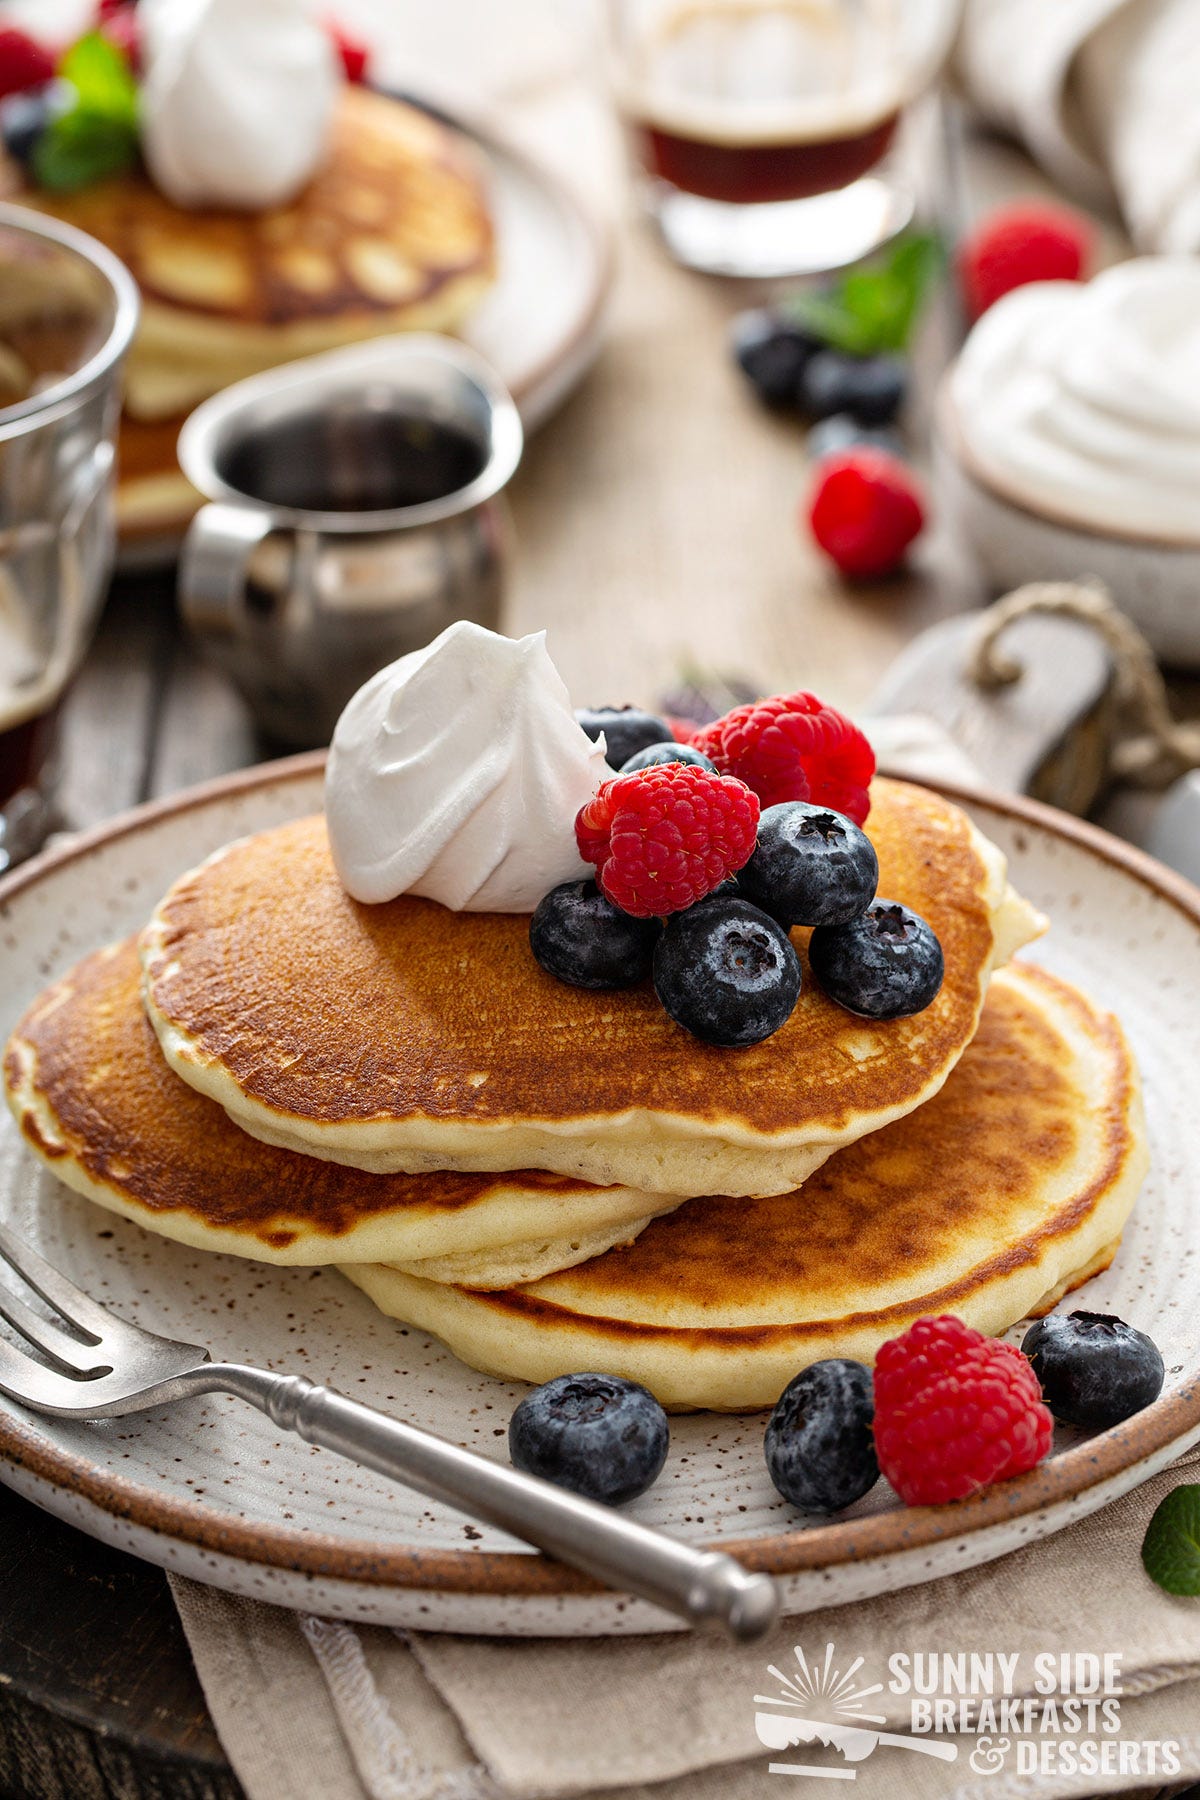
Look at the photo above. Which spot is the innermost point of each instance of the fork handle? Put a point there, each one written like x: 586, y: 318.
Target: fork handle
x: 701, y: 1586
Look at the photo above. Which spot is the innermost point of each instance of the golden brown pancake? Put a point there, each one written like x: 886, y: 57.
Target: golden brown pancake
x: 393, y: 233
x: 1009, y: 1187
x: 408, y: 1036
x: 95, y: 1100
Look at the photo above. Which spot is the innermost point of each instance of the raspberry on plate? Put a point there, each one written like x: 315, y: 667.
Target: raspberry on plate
x: 663, y: 838
x: 1028, y: 240
x: 865, y: 510
x: 24, y: 63
x: 794, y: 747
x: 955, y: 1411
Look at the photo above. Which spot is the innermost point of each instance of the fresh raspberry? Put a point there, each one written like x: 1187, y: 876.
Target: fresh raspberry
x: 354, y: 53
x: 24, y: 63
x: 865, y: 510
x: 662, y: 838
x: 120, y: 27
x: 1029, y: 240
x: 794, y: 747
x: 955, y: 1410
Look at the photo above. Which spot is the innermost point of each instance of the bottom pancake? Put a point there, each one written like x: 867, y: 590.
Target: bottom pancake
x: 1009, y: 1187
x: 88, y: 1085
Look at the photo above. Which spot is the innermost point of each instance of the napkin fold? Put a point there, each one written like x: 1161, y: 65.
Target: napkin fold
x: 1102, y: 92
x: 345, y: 1712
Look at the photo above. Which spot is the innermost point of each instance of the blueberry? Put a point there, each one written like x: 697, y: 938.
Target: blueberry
x: 811, y: 866
x: 870, y: 387
x: 627, y: 729
x: 25, y: 115
x: 668, y: 753
x: 595, y: 1434
x: 885, y: 964
x: 772, y: 354
x: 842, y: 431
x: 1094, y: 1369
x: 726, y: 972
x: 819, y: 1445
x: 582, y: 938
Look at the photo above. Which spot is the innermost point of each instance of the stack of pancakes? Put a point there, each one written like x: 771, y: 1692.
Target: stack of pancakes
x: 551, y: 1179
x: 393, y: 233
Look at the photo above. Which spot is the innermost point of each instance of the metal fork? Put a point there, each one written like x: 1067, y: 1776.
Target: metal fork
x: 103, y: 1367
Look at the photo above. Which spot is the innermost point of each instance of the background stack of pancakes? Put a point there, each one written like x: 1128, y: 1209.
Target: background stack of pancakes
x: 551, y: 1179
x: 393, y: 233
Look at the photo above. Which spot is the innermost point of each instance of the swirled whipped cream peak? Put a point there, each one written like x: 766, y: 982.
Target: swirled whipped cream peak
x: 457, y: 772
x: 236, y: 98
x: 1083, y: 400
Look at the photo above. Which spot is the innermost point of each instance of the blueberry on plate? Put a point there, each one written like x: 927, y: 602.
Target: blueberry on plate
x: 596, y: 1434
x: 726, y: 971
x: 842, y: 431
x: 811, y: 866
x: 885, y: 964
x: 1094, y: 1369
x: 771, y: 353
x: 582, y: 938
x: 668, y: 753
x: 819, y: 1445
x: 872, y: 388
x: 627, y: 729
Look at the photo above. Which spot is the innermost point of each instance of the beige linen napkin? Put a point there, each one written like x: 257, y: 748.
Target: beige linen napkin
x: 338, y: 1712
x: 1102, y: 92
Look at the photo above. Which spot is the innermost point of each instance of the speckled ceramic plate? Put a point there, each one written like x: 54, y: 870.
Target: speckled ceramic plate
x: 211, y: 1489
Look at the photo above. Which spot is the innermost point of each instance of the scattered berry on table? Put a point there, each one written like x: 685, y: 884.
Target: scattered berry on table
x: 596, y: 1434
x: 1094, y: 1369
x: 794, y: 747
x: 842, y: 431
x: 627, y: 729
x: 871, y: 388
x: 663, y: 838
x: 582, y: 938
x: 25, y: 116
x: 672, y: 752
x: 354, y: 54
x: 865, y: 509
x: 811, y: 866
x: 772, y: 354
x: 954, y: 1411
x: 1027, y: 240
x: 727, y: 972
x: 819, y: 1446
x: 24, y: 63
x: 120, y: 26
x: 885, y: 964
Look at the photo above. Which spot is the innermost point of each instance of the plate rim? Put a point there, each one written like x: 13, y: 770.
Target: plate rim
x: 1065, y: 1478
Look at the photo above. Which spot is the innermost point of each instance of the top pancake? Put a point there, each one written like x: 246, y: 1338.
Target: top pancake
x: 1010, y: 1187
x: 408, y: 1036
x: 392, y: 233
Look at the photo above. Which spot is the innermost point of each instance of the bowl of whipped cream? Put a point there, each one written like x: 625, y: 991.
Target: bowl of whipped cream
x: 1067, y: 442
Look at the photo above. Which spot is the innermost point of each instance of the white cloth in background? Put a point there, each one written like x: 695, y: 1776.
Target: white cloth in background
x: 1104, y: 94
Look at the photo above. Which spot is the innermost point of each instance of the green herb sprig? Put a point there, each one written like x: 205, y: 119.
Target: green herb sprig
x: 873, y: 309
x: 97, y: 133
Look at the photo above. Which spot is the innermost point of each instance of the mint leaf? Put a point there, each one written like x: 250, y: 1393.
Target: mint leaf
x: 1171, y: 1547
x: 873, y: 309
x: 97, y: 134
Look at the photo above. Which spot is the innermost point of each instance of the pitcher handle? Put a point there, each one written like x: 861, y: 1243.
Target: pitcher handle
x: 213, y: 563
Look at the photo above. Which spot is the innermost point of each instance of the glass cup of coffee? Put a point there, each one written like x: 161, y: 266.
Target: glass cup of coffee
x: 760, y: 126
x: 68, y: 310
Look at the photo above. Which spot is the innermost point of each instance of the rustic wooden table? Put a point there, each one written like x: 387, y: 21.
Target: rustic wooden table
x: 656, y: 521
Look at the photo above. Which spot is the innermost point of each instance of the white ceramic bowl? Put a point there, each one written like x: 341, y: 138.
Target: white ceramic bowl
x: 1155, y: 581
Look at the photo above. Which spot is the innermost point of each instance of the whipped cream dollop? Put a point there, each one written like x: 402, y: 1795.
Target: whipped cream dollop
x: 1083, y: 400
x: 236, y: 98
x: 457, y: 773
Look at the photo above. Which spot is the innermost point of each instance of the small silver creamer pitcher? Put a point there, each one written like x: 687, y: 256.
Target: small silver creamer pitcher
x: 355, y: 511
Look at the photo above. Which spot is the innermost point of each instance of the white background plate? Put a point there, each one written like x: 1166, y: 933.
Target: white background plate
x: 211, y: 1489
